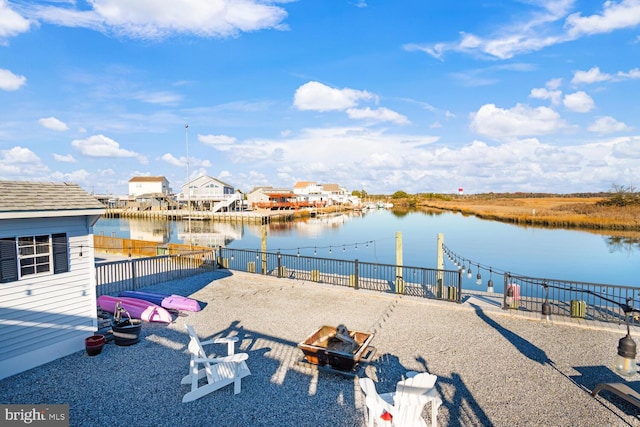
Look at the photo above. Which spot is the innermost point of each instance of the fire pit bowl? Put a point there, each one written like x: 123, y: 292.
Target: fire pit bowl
x: 323, y: 348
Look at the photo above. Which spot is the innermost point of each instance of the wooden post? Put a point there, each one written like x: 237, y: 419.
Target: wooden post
x: 440, y: 266
x: 399, y: 278
x: 264, y: 248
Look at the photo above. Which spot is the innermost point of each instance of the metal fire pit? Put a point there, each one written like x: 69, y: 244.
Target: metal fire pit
x: 323, y: 350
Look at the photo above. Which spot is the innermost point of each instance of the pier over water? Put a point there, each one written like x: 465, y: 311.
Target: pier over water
x: 252, y: 217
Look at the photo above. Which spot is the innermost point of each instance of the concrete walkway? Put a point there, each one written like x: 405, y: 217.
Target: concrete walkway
x: 494, y: 367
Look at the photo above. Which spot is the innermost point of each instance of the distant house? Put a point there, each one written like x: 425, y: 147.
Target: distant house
x: 47, y: 274
x: 307, y: 188
x: 276, y: 198
x: 320, y: 193
x: 139, y: 185
x: 207, y: 193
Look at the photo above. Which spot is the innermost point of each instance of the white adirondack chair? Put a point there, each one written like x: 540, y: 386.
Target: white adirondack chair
x: 380, y: 406
x: 402, y: 408
x: 219, y: 371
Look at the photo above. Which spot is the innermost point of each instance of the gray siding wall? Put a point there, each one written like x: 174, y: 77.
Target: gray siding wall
x: 44, y: 309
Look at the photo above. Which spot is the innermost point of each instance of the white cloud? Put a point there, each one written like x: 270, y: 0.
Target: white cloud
x: 20, y: 162
x: 319, y: 97
x: 162, y: 98
x: 53, y: 124
x: 172, y: 160
x: 604, y: 125
x: 553, y: 84
x: 11, y: 23
x: 154, y: 20
x: 521, y: 120
x: 65, y: 159
x: 331, y: 146
x: 221, y: 142
x: 10, y: 81
x: 20, y: 155
x: 632, y: 74
x: 538, y: 29
x: 182, y: 161
x: 627, y: 148
x: 594, y: 75
x: 377, y: 115
x: 80, y: 176
x: 102, y: 146
x: 543, y: 93
x: 579, y: 102
x: 527, y: 35
x: 615, y: 15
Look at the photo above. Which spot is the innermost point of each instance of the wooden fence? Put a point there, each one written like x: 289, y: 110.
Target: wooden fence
x: 141, y: 248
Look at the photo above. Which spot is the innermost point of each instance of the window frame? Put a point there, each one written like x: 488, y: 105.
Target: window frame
x: 31, y: 256
x: 11, y: 266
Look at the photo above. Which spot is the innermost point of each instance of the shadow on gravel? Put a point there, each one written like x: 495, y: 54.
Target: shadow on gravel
x: 525, y: 347
x: 189, y: 285
x: 591, y: 376
x: 282, y: 390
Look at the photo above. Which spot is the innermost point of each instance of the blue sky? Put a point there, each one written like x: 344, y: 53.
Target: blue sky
x: 380, y: 95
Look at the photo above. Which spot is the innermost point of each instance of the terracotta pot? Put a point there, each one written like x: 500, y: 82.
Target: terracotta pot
x: 94, y: 344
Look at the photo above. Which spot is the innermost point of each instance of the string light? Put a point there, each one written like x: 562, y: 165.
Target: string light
x: 456, y: 259
x: 490, y: 282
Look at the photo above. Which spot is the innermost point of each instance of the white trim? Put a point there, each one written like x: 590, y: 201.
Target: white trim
x: 51, y: 214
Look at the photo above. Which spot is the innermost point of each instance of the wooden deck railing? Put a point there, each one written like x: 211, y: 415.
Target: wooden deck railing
x: 135, y: 273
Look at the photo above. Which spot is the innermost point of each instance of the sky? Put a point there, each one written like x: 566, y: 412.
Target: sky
x: 375, y: 95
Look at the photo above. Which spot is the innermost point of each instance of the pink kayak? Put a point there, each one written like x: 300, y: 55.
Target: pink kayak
x: 176, y: 302
x: 137, y: 308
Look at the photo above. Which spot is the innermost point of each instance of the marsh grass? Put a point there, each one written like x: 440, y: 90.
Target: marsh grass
x: 561, y: 212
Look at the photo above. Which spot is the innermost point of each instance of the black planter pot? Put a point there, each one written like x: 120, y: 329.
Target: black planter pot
x: 126, y: 332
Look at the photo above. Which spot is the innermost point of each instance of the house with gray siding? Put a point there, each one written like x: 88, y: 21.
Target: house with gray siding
x: 47, y: 272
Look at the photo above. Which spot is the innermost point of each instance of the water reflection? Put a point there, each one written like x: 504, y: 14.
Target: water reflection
x: 207, y: 233
x: 150, y: 230
x: 371, y: 237
x: 622, y: 244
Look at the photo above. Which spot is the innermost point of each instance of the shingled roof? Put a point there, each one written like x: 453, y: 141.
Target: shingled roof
x: 26, y: 196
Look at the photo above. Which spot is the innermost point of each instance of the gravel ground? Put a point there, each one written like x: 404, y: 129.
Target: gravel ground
x: 494, y: 369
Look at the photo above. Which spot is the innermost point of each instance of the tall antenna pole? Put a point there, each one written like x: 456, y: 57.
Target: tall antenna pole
x: 186, y: 136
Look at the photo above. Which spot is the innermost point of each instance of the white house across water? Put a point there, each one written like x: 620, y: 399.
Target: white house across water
x: 210, y: 194
x: 47, y: 272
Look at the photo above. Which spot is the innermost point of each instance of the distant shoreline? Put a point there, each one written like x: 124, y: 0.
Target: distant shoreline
x: 571, y: 212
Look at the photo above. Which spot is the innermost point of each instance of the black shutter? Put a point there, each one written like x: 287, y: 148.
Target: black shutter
x: 8, y: 260
x: 60, y: 255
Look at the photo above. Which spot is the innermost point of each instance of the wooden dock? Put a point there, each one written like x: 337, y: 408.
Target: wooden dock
x: 252, y: 217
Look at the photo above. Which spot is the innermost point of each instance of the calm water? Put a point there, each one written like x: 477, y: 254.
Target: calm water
x: 536, y: 252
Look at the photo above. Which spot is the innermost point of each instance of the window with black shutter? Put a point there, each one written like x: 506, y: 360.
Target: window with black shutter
x: 60, y: 253
x: 25, y: 256
x: 8, y: 260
